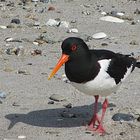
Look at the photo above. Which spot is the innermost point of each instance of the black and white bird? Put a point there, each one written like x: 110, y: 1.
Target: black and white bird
x: 94, y: 72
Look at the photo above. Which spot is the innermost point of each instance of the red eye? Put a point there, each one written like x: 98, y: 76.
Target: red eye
x: 74, y: 47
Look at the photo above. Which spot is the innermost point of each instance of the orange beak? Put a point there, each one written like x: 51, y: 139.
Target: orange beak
x: 64, y: 58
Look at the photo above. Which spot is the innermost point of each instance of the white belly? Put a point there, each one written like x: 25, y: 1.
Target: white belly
x: 102, y: 84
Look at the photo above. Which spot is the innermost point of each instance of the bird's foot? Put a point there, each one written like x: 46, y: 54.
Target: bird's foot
x: 99, y: 129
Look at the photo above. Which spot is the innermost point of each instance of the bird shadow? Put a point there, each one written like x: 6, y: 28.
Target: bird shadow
x: 58, y: 117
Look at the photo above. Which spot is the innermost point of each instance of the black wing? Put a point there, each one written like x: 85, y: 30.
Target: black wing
x: 119, y: 63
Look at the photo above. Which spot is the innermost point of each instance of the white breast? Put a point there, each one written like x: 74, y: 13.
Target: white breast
x: 102, y: 84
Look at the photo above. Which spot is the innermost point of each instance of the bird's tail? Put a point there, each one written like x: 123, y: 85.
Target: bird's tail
x: 138, y: 64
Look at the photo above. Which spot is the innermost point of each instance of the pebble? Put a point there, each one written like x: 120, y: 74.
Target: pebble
x: 15, y: 104
x: 53, y: 22
x: 134, y: 42
x: 68, y: 115
x: 24, y: 72
x: 69, y: 105
x: 86, y: 12
x: 57, y: 97
x: 16, y: 21
x: 137, y: 11
x: 112, y: 19
x: 122, y: 117
x: 138, y: 119
x: 104, y: 13
x: 99, y: 35
x: 51, y: 102
x: 36, y: 52
x: 3, y: 27
x: 2, y: 94
x: 51, y: 8
x: 64, y: 24
x: 21, y: 137
x: 73, y: 30
x: 65, y: 79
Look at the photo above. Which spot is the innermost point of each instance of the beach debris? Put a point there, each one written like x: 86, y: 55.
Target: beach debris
x: 99, y: 35
x: 137, y: 11
x: 51, y: 102
x: 36, y: 52
x: 21, y: 137
x: 53, y: 22
x: 134, y: 42
x: 2, y: 95
x: 57, y: 97
x: 64, y: 24
x: 112, y: 19
x: 72, y: 30
x: 3, y: 27
x: 16, y: 50
x: 15, y: 104
x: 138, y: 119
x: 15, y: 20
x: 123, y: 117
x: 24, y: 72
x: 10, y: 39
x: 69, y: 105
x: 66, y: 114
x: 51, y: 8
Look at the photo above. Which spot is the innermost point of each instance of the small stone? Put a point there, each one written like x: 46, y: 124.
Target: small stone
x: 104, y: 44
x: 16, y: 21
x: 104, y: 13
x: 44, y: 1
x: 24, y: 72
x: 134, y: 42
x: 122, y: 117
x: 88, y: 132
x: 138, y: 119
x: 21, y: 137
x: 99, y: 35
x: 3, y: 27
x: 51, y: 102
x: 112, y: 19
x: 86, y: 12
x: 2, y: 95
x: 68, y: 115
x: 57, y: 97
x: 122, y: 133
x: 68, y: 105
x: 51, y: 8
x: 36, y: 52
x: 64, y: 24
x: 53, y: 22
x: 15, y: 104
x: 0, y: 102
x: 73, y: 30
x: 133, y: 23
x: 137, y: 11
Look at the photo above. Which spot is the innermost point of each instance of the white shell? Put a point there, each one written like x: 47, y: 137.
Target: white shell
x: 9, y: 39
x: 104, y: 13
x: 73, y: 30
x: 120, y: 14
x: 99, y: 35
x: 64, y: 24
x: 52, y: 22
x: 22, y: 137
x: 112, y: 19
x: 3, y: 27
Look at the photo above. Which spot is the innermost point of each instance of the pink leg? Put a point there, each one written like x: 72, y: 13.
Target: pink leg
x: 91, y: 125
x: 100, y: 128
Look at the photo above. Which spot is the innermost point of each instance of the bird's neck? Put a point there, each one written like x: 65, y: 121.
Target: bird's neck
x: 82, y: 69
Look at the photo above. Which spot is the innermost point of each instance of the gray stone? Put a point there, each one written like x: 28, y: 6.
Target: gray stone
x: 57, y: 97
x: 122, y: 117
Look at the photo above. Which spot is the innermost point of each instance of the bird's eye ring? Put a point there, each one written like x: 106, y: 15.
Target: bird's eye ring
x: 74, y: 47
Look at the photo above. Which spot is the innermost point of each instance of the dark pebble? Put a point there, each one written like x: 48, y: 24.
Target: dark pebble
x: 16, y: 21
x: 122, y: 117
x: 68, y: 105
x: 122, y: 133
x: 138, y: 119
x: 104, y: 44
x: 51, y: 102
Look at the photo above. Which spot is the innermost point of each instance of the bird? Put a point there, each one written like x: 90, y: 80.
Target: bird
x: 95, y: 72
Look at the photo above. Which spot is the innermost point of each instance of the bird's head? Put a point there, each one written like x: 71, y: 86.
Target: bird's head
x: 72, y: 48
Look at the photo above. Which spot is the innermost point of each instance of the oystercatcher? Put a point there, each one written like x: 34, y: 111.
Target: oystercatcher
x: 94, y: 72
